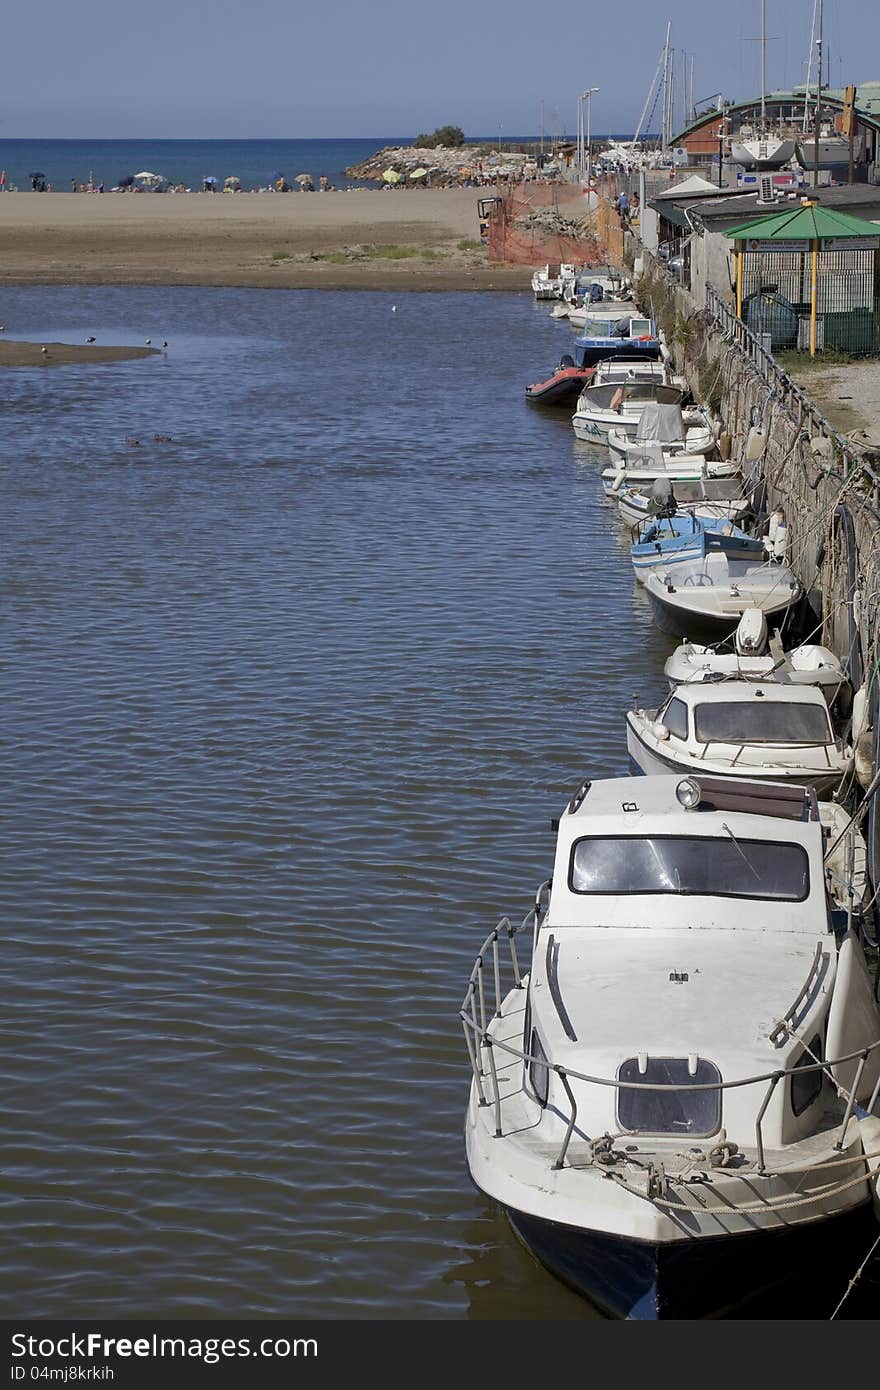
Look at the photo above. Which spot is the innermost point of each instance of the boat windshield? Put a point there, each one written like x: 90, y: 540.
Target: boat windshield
x: 745, y: 721
x: 691, y: 865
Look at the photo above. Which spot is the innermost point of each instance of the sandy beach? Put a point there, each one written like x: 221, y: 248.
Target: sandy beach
x: 365, y: 239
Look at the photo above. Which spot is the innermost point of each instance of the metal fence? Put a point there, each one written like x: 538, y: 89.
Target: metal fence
x: 777, y: 299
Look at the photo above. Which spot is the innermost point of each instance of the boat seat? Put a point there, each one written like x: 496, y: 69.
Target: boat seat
x: 646, y: 453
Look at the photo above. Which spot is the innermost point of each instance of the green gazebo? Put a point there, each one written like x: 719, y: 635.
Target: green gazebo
x: 814, y: 273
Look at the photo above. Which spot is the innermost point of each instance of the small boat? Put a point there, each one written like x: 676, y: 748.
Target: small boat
x: 740, y: 728
x: 669, y: 1056
x: 548, y: 282
x: 631, y: 334
x: 664, y: 425
x: 706, y: 599
x: 619, y: 393
x: 755, y: 655
x: 724, y: 498
x: 564, y: 385
x: 679, y: 540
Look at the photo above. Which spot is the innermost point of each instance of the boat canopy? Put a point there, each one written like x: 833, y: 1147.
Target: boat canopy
x: 661, y: 421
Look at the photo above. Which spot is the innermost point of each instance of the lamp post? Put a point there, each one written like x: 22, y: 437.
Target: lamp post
x: 587, y: 160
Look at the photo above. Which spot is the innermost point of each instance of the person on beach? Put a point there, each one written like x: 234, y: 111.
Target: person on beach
x: 73, y: 185
x: 2, y: 180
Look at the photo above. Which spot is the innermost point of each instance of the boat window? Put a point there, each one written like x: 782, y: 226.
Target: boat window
x: 750, y: 721
x: 539, y: 1072
x: 685, y: 1111
x: 690, y: 865
x: 806, y: 1085
x: 675, y: 717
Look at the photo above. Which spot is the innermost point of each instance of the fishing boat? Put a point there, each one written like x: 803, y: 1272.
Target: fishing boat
x: 631, y: 334
x: 665, y: 1099
x: 563, y: 386
x: 662, y: 424
x: 680, y: 539
x: 706, y: 599
x: 618, y: 394
x: 740, y: 728
x: 724, y: 498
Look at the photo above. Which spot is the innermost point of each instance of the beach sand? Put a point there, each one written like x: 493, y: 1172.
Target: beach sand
x: 263, y: 240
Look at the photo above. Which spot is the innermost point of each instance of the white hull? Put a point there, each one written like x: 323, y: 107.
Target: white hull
x: 690, y: 469
x: 650, y: 757
x: 635, y: 510
x: 771, y: 152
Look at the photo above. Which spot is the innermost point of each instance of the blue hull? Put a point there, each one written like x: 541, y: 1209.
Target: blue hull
x: 798, y: 1272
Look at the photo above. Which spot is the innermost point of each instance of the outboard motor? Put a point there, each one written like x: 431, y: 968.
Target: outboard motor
x: 662, y: 501
x: 597, y: 294
x: 750, y: 638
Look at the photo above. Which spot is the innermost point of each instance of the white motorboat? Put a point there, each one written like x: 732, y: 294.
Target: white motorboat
x: 808, y: 664
x: 655, y: 467
x: 548, y: 282
x: 722, y: 498
x: 665, y: 425
x: 664, y: 1102
x: 677, y: 540
x: 617, y: 400
x: 740, y: 728
x: 706, y: 600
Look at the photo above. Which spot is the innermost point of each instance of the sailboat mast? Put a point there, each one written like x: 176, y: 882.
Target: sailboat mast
x: 666, y: 120
x: 763, y: 66
x: 818, y: 101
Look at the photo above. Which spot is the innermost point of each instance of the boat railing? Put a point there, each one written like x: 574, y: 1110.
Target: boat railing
x: 482, y: 1006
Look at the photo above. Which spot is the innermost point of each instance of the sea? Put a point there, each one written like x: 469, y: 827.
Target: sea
x: 189, y: 162
x: 310, y: 626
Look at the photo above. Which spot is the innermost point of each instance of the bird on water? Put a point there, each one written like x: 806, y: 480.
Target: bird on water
x: 91, y: 340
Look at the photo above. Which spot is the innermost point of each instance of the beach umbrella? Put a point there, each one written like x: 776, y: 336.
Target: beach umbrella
x: 209, y: 178
x: 391, y: 176
x: 232, y: 182
x: 418, y: 173
x: 303, y: 178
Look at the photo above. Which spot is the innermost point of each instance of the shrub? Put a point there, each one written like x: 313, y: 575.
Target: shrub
x: 447, y: 137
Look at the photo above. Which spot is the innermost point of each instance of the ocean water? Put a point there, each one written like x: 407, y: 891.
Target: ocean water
x: 190, y: 161
x: 300, y: 659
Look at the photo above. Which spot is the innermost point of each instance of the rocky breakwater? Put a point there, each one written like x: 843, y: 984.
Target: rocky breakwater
x: 441, y: 167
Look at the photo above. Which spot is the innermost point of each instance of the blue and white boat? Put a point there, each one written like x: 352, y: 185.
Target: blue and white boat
x: 683, y: 538
x: 631, y: 334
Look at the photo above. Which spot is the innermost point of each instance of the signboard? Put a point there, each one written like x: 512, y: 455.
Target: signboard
x: 850, y: 243
x: 848, y: 123
x: 779, y: 245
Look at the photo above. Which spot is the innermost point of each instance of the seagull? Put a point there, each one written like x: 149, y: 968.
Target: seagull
x: 91, y: 340
x: 164, y: 344
x: 394, y: 308
x: 147, y: 342
x: 44, y: 349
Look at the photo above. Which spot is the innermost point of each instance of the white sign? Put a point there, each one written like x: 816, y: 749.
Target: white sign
x: 850, y: 243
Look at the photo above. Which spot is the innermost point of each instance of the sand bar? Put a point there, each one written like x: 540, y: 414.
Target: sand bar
x: 16, y: 354
x: 265, y: 240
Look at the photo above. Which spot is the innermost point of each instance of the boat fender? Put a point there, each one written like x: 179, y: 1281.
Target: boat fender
x: 756, y: 442
x: 725, y: 444
x: 660, y: 730
x: 777, y: 534
x: 617, y: 399
x: 860, y: 713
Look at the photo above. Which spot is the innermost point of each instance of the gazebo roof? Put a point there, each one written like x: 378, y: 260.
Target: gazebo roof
x: 809, y: 222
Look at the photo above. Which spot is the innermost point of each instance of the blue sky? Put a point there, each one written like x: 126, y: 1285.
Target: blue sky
x: 226, y: 68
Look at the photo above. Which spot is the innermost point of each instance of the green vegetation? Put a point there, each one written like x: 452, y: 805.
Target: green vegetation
x: 445, y: 137
x: 799, y: 361
x: 404, y: 253
x: 468, y: 245
x: 281, y: 255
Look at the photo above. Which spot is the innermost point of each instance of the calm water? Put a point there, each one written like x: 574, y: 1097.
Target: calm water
x: 289, y: 702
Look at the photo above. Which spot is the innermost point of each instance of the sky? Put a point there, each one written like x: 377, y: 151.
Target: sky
x: 257, y: 68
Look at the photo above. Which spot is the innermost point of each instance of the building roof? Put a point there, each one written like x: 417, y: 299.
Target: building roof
x: 719, y: 214
x: 867, y: 105
x: 692, y: 187
x: 809, y: 222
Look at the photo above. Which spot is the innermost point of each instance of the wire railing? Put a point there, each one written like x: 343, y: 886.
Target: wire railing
x: 483, y: 1004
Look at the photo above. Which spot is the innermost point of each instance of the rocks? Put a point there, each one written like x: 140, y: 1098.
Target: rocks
x: 445, y: 167
x: 550, y: 222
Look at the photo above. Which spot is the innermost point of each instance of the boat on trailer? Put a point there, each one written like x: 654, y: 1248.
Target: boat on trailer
x: 675, y: 1101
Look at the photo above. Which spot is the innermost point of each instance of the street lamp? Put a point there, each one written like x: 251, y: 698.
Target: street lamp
x: 586, y: 155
